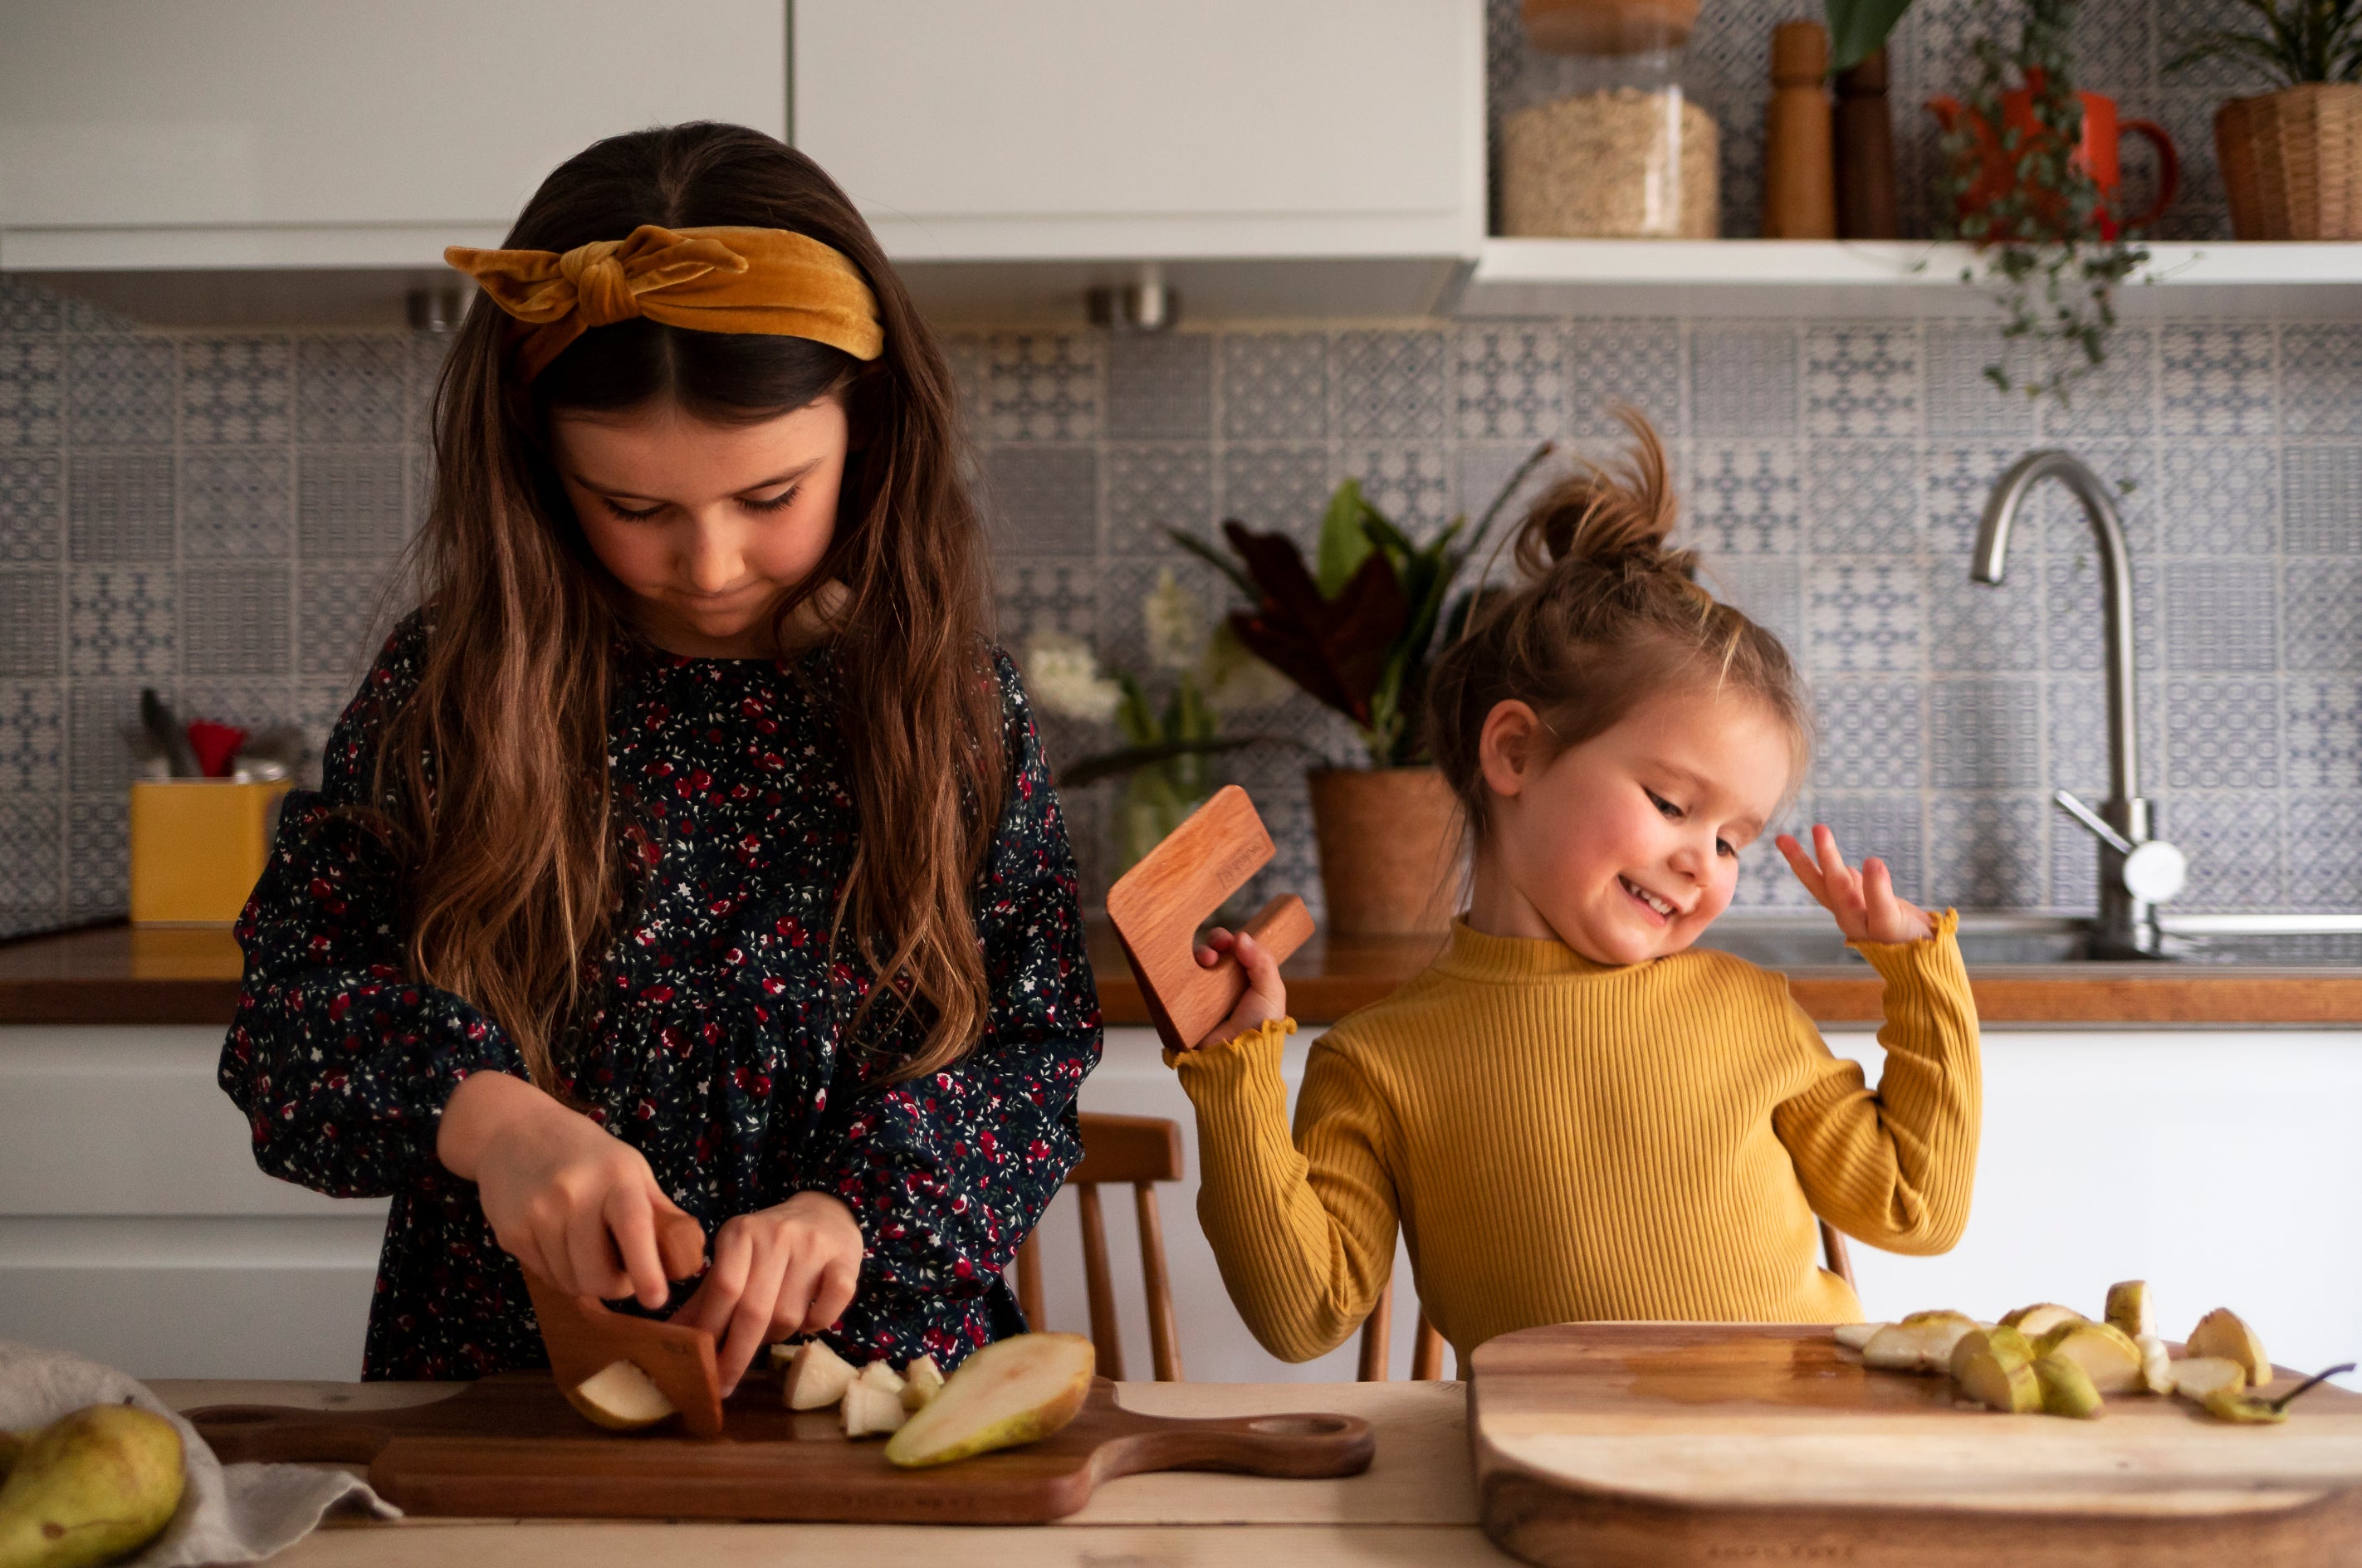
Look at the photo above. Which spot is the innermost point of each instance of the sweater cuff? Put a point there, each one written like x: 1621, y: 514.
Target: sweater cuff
x: 1238, y: 1053
x: 1913, y: 970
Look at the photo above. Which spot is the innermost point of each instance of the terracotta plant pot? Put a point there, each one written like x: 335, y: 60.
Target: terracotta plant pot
x: 2292, y: 163
x: 1390, y: 850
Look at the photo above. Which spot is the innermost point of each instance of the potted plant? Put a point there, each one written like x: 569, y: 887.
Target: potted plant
x: 2291, y: 157
x: 1357, y: 630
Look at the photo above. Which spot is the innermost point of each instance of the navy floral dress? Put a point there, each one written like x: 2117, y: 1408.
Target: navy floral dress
x: 720, y: 1049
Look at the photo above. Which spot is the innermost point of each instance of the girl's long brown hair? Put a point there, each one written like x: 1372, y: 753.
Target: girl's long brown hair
x: 494, y: 770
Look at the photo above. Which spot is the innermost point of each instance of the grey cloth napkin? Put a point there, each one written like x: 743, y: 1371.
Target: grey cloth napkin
x: 229, y: 1513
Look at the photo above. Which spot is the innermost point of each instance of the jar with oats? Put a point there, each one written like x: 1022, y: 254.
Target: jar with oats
x: 1601, y: 142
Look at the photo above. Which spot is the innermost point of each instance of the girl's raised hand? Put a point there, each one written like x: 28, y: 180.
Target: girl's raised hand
x: 789, y: 1269
x: 1863, y: 900
x: 1265, y: 996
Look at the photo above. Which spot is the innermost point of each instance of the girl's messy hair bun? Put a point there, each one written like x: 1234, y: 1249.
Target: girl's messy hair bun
x: 1610, y: 516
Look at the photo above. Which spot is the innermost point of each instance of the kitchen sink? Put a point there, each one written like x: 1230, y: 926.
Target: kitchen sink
x: 1811, y: 941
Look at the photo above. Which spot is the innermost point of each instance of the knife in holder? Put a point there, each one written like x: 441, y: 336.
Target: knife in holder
x: 584, y: 1338
x: 1158, y: 905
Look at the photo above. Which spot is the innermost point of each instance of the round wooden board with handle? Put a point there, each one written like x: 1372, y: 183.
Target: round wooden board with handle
x: 1609, y: 1444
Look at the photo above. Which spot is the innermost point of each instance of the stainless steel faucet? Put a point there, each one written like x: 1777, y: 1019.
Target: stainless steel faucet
x: 2137, y: 871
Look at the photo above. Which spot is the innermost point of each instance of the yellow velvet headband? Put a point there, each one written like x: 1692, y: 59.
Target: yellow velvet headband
x: 710, y: 279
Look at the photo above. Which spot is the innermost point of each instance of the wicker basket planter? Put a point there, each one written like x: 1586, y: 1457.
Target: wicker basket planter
x: 2292, y: 163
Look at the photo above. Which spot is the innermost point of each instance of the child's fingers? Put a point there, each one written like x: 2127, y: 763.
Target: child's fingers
x: 1262, y: 969
x: 631, y: 1221
x: 750, y: 1320
x: 1218, y: 942
x: 837, y: 1283
x: 1802, y: 865
x: 592, y: 1255
x: 710, y: 1305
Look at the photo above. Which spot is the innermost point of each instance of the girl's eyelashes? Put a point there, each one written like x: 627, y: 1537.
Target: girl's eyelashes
x: 627, y: 514
x: 1672, y: 812
x: 778, y: 502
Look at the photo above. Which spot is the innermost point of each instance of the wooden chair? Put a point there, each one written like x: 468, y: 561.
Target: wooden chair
x: 1427, y: 1348
x: 1140, y: 1151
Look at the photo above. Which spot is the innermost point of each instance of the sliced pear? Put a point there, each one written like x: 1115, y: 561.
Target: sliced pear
x: 2067, y: 1388
x: 621, y: 1397
x: 2195, y: 1377
x: 2039, y: 1319
x: 2007, y: 1387
x: 1012, y: 1391
x: 922, y: 1379
x: 2223, y: 1332
x: 817, y: 1377
x: 1853, y: 1336
x: 2113, y: 1361
x: 871, y: 1412
x: 2131, y: 1309
x: 1921, y: 1342
x: 881, y: 1376
x: 2242, y: 1409
x: 2005, y: 1345
x: 2156, y: 1365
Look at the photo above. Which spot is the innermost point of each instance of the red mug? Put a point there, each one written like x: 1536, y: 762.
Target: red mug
x: 2096, y: 155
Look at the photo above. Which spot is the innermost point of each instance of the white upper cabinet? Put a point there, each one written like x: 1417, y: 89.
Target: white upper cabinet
x: 230, y: 133
x: 1017, y: 129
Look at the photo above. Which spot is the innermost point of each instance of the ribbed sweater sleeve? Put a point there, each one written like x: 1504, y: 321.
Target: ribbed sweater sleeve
x: 1894, y: 1167
x: 1304, y: 1229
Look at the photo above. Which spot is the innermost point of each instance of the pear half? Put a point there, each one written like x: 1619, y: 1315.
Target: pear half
x: 1012, y: 1391
x: 2005, y: 1346
x: 1921, y: 1342
x: 2197, y: 1377
x: 922, y: 1379
x: 2224, y: 1333
x: 2010, y: 1387
x: 620, y: 1398
x: 90, y: 1486
x: 2111, y: 1361
x: 2131, y: 1309
x: 2067, y: 1388
x: 816, y: 1378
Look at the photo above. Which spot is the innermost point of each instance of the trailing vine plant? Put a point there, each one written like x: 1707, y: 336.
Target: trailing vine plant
x: 2018, y: 194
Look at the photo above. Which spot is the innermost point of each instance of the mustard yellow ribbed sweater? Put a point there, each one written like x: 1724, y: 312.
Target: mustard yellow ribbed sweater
x: 1563, y: 1140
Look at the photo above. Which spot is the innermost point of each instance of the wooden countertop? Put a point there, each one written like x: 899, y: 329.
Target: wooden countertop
x: 1416, y: 1504
x: 151, y: 975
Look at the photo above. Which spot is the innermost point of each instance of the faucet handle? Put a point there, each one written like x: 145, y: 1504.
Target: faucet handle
x: 2154, y: 872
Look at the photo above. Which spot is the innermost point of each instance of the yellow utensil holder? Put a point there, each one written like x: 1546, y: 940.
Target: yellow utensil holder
x: 198, y: 845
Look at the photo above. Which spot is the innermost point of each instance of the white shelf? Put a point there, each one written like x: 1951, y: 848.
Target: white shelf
x: 1786, y: 277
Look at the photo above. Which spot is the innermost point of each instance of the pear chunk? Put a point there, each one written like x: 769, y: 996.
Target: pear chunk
x: 2039, y: 1319
x: 2223, y: 1332
x: 2011, y: 1387
x: 2195, y: 1377
x: 1013, y: 1391
x: 921, y: 1380
x: 1854, y: 1336
x: 870, y: 1410
x: 2242, y: 1409
x: 817, y: 1377
x: 2131, y: 1309
x: 2156, y: 1365
x: 621, y: 1397
x: 2111, y: 1361
x: 90, y: 1487
x: 2005, y: 1346
x: 1921, y: 1342
x: 2067, y: 1388
x: 877, y: 1375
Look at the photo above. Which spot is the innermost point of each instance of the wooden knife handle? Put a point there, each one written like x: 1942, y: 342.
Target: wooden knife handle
x: 1282, y: 926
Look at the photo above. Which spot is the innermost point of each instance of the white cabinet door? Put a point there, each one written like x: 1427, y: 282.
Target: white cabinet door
x: 1157, y: 129
x: 225, y: 124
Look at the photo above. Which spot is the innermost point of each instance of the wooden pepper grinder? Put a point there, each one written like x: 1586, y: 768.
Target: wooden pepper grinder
x: 1865, y: 148
x: 1799, y: 169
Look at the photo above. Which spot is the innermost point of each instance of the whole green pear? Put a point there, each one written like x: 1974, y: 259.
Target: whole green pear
x: 90, y: 1486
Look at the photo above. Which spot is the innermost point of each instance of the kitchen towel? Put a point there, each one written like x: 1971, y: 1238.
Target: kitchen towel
x: 229, y: 1513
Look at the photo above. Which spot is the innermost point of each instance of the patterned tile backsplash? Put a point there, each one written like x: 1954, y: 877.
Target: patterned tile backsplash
x: 216, y: 517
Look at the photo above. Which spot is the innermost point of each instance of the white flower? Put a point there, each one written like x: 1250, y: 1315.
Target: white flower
x: 1175, y: 623
x: 1064, y: 676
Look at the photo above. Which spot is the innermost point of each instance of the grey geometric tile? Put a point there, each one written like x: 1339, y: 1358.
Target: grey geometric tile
x: 1511, y: 381
x: 1861, y: 498
x: 1764, y: 880
x: 1765, y: 588
x: 1745, y: 497
x: 1973, y: 626
x: 1275, y: 385
x: 1960, y: 400
x: 1281, y: 489
x: 1989, y: 852
x: 1862, y: 616
x: 2115, y: 400
x: 2220, y: 499
x: 2322, y: 504
x: 1047, y: 594
x: 2323, y: 738
x: 29, y: 308
x: 968, y: 354
x: 1636, y: 362
x: 234, y: 619
x: 119, y: 507
x: 2221, y: 614
x: 1125, y: 587
x: 1160, y: 386
x: 32, y: 737
x: 120, y: 619
x: 1393, y: 385
x: 2178, y: 20
x: 2072, y: 622
x: 235, y: 503
x: 1044, y: 386
x: 2321, y: 377
x: 2325, y: 615
x: 86, y: 316
x: 235, y: 392
x: 1411, y: 484
x: 2074, y: 866
x: 251, y: 704
x: 1884, y: 826
x: 429, y: 350
x: 2217, y: 379
x: 98, y: 855
x: 2324, y: 839
x: 30, y: 642
x: 1485, y: 468
x: 1987, y: 734
x: 2113, y: 42
x: 2053, y: 522
x: 1861, y: 378
x: 2234, y: 843
x: 101, y: 718
x: 2201, y: 210
x: 351, y: 389
x: 1959, y: 478
x: 349, y: 502
x: 2222, y: 733
x: 31, y: 395
x: 32, y: 863
x: 1044, y: 500
x: 341, y: 618
x: 119, y: 391
x: 32, y: 507
x: 1743, y: 379
x: 1151, y: 488
x: 2077, y: 713
x: 1870, y: 734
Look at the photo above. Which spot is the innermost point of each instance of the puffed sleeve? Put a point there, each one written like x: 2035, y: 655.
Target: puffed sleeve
x: 341, y: 1063
x: 948, y: 1173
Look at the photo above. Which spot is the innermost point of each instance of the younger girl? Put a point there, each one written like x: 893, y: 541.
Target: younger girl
x: 685, y: 896
x: 1574, y: 1113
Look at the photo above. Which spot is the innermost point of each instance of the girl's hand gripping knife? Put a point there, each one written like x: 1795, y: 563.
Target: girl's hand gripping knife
x: 1158, y: 906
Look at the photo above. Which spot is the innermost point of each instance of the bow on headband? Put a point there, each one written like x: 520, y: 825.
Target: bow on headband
x: 766, y: 281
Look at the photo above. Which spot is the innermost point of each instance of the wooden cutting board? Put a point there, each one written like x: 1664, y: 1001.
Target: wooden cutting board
x: 511, y: 1446
x: 1609, y: 1444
